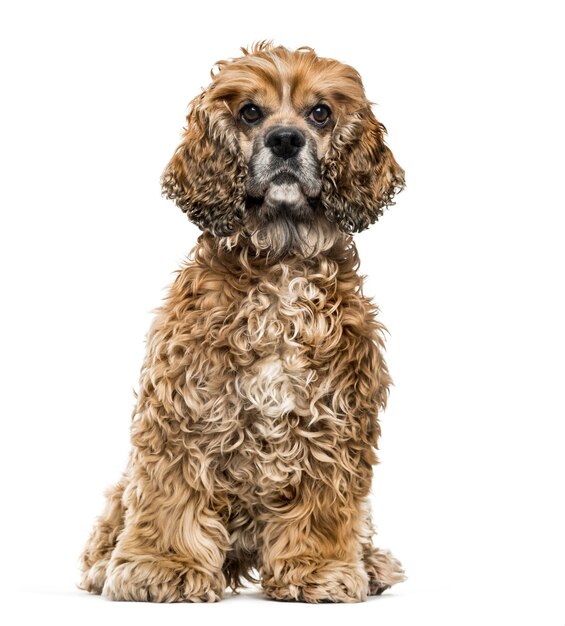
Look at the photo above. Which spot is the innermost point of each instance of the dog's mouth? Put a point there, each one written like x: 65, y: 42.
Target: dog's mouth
x: 285, y: 177
x: 285, y: 194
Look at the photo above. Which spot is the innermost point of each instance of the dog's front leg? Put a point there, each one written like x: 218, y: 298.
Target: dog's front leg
x: 311, y: 547
x: 173, y: 544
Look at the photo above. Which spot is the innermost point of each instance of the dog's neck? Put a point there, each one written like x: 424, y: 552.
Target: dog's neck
x: 282, y: 238
x: 238, y: 254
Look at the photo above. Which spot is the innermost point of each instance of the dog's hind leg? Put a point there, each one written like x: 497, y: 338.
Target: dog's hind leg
x: 97, y: 552
x: 383, y: 569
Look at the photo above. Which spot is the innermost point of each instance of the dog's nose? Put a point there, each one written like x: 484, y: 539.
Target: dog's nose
x: 285, y: 141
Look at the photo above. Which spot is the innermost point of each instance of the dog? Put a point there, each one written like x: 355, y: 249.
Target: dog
x: 256, y: 422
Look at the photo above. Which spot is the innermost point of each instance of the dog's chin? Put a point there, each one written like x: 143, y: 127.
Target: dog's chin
x: 286, y: 221
x: 285, y: 199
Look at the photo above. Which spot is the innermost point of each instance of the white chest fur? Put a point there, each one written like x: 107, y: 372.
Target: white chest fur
x: 279, y: 318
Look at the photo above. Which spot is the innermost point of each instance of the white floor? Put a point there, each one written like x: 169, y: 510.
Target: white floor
x: 405, y: 606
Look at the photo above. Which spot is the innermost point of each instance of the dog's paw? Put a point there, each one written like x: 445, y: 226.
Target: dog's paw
x: 383, y: 570
x: 329, y: 581
x: 94, y: 577
x: 161, y: 581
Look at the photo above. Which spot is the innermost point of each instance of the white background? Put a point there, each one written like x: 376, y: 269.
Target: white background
x: 467, y: 269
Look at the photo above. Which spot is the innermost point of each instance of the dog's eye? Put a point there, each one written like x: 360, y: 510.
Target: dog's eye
x: 251, y: 114
x: 320, y: 115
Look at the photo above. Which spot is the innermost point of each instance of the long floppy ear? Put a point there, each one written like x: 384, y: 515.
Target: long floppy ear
x: 206, y: 175
x: 359, y: 173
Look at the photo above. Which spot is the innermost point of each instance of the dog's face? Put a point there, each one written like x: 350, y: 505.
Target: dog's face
x: 283, y: 154
x: 283, y: 147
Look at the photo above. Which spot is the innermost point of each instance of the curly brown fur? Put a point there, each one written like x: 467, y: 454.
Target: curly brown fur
x: 255, y: 430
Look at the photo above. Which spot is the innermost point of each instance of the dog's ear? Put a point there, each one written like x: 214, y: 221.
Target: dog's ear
x: 206, y: 175
x: 360, y: 175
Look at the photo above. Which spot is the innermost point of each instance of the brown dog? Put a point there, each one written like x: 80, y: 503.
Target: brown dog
x: 256, y: 422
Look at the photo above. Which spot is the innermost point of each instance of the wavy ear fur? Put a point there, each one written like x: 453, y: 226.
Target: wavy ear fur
x: 206, y: 174
x: 360, y: 174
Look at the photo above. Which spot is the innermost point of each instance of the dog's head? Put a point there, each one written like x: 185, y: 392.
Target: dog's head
x: 284, y: 148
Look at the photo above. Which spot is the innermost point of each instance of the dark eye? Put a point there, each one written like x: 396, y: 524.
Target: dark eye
x: 320, y: 115
x: 251, y: 113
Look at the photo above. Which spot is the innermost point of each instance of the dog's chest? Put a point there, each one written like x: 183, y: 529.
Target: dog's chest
x: 280, y: 323
x: 283, y: 331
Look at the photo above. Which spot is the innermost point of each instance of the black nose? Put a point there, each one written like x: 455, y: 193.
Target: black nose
x: 285, y: 141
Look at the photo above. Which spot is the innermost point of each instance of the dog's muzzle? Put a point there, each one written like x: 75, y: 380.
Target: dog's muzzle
x: 284, y: 174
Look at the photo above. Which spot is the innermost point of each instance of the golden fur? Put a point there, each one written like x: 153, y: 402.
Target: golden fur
x: 256, y: 424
